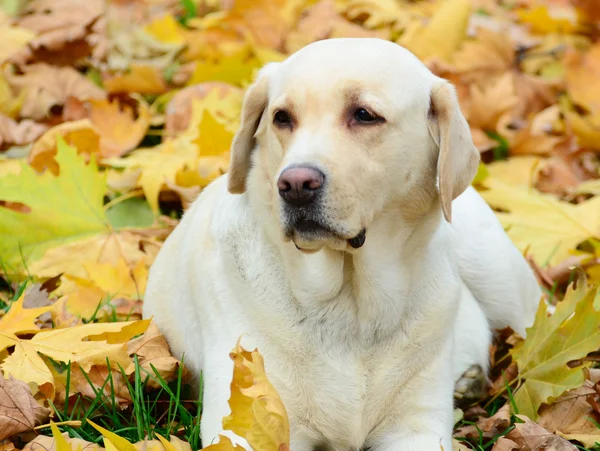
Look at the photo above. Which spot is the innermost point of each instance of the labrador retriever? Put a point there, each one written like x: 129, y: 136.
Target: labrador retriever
x: 347, y: 245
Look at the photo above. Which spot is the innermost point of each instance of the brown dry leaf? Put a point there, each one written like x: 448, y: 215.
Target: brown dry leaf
x: 120, y: 131
x: 45, y: 443
x: 97, y: 375
x: 138, y: 78
x: 530, y: 436
x: 262, y: 21
x: 487, y: 103
x: 322, y: 21
x: 47, y: 86
x: 82, y: 135
x: 57, y: 23
x: 571, y: 416
x: 152, y: 349
x: 489, y: 52
x: 19, y: 133
x: 19, y: 411
x: 582, y: 78
x: 130, y: 245
x: 505, y: 444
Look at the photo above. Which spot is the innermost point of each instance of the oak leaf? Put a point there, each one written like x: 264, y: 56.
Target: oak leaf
x: 570, y: 333
x: 19, y: 411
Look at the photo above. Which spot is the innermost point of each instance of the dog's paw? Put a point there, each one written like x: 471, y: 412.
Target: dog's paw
x: 471, y: 387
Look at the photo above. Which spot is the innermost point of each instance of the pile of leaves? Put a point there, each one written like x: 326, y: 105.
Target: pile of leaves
x: 115, y: 114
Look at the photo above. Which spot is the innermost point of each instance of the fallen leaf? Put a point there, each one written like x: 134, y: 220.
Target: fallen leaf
x: 14, y: 39
x: 45, y: 443
x: 443, y: 34
x: 47, y: 86
x: 257, y: 413
x: 489, y: 102
x: 528, y: 435
x: 582, y: 77
x: 139, y: 78
x: 19, y: 411
x: 544, y: 19
x: 569, y: 334
x: 120, y: 131
x: 19, y: 320
x: 71, y: 202
x: 547, y: 227
x: 19, y: 133
x: 81, y: 135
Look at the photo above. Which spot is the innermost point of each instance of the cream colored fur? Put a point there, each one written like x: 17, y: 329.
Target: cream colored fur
x: 363, y: 345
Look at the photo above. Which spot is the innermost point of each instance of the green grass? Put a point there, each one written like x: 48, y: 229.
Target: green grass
x: 170, y: 410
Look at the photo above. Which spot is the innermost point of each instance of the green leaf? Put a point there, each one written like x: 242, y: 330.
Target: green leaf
x: 569, y: 334
x: 130, y: 213
x: 59, y: 208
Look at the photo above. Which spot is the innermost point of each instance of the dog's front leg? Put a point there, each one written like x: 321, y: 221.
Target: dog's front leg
x: 423, y: 420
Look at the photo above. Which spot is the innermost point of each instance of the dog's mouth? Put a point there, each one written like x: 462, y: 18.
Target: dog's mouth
x: 304, y: 231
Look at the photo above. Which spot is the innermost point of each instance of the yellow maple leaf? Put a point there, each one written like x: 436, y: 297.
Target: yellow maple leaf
x: 62, y: 208
x: 235, y: 69
x: 569, y: 334
x: 544, y: 20
x: 257, y: 412
x: 166, y: 29
x: 19, y: 320
x: 158, y: 164
x: 443, y: 34
x: 549, y: 228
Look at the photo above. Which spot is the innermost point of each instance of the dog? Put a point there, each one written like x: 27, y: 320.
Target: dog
x: 347, y: 245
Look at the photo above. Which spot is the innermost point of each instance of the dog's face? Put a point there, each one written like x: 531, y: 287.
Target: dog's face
x: 344, y: 130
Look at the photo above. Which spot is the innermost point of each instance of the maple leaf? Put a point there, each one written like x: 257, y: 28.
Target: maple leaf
x: 489, y: 102
x: 13, y: 39
x: 19, y: 320
x: 81, y: 135
x: 549, y: 228
x: 570, y: 333
x: 582, y: 77
x: 19, y: 133
x: 62, y: 208
x: 119, y: 131
x: 47, y: 86
x: 528, y: 435
x: 19, y: 411
x: 138, y: 78
x: 257, y: 412
x: 87, y: 345
x: 443, y: 34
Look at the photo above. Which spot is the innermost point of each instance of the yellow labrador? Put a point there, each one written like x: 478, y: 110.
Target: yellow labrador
x: 346, y: 244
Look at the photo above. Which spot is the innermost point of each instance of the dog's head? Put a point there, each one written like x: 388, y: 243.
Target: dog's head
x: 345, y: 130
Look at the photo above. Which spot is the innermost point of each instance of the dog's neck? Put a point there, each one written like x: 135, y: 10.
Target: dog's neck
x: 377, y: 278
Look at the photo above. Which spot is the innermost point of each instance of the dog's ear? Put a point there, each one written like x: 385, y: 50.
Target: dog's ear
x: 255, y: 102
x: 458, y: 158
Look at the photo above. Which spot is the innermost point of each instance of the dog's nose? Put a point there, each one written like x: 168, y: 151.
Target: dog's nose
x: 300, y: 185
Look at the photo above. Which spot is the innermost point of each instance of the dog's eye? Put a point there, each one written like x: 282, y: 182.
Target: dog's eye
x: 363, y: 116
x: 282, y: 118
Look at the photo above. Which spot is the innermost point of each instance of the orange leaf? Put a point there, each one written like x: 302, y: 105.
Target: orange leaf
x: 120, y: 132
x: 142, y: 79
